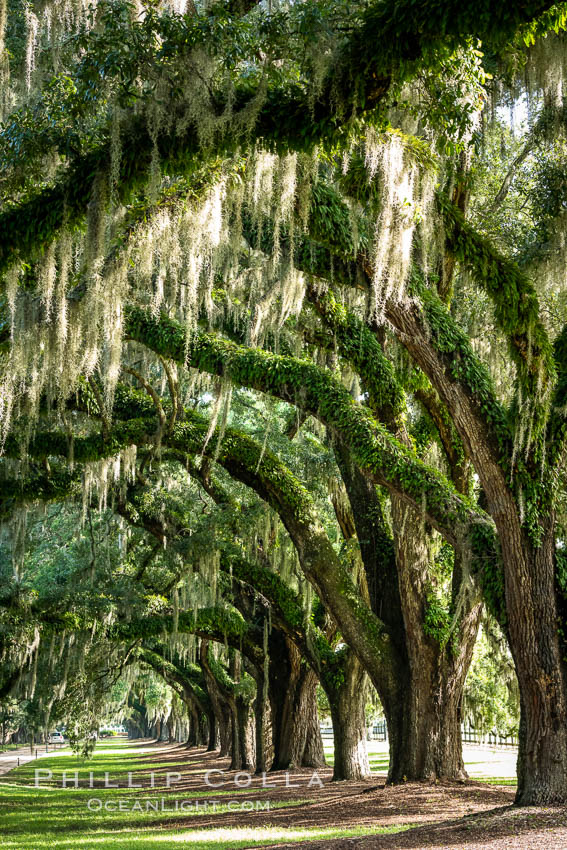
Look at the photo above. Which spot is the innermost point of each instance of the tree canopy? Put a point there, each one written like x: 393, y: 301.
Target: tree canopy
x: 283, y: 369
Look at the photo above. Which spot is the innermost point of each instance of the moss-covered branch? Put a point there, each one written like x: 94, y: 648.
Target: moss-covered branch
x: 175, y: 675
x: 245, y: 460
x: 300, y: 382
x: 360, y: 347
x: 36, y: 486
x: 218, y: 623
x: 429, y: 332
x: 452, y: 444
x: 516, y: 308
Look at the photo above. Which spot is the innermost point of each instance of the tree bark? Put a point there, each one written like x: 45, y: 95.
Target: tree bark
x: 425, y: 723
x: 224, y: 724
x: 425, y: 729
x: 203, y: 730
x: 261, y: 717
x: 533, y: 616
x: 245, y: 731
x: 239, y: 712
x: 295, y: 724
x: 193, y: 737
x: 213, y: 731
x: 349, y: 724
x: 308, y: 748
x: 235, y: 752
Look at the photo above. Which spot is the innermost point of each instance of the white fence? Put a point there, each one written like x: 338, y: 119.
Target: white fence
x: 379, y: 732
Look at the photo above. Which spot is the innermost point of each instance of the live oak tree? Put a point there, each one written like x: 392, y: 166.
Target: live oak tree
x: 289, y: 682
x: 292, y: 698
x: 188, y: 191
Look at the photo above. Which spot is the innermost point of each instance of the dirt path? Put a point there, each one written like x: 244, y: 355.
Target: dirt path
x: 13, y: 758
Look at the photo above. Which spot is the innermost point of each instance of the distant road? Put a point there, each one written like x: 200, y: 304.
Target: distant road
x: 9, y: 760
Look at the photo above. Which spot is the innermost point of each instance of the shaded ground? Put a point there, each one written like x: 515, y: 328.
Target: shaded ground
x: 302, y: 808
x: 503, y: 828
x: 451, y: 816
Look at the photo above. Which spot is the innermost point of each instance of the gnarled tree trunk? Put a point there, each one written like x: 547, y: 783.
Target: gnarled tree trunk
x: 534, y: 612
x: 213, y: 731
x: 347, y: 703
x: 425, y: 727
x: 193, y: 737
x: 421, y: 683
x: 295, y: 720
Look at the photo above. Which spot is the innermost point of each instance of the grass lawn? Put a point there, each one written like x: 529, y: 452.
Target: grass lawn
x: 50, y: 816
x: 192, y: 813
x: 483, y: 764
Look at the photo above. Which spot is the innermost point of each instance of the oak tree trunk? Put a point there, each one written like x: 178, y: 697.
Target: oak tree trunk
x: 262, y: 725
x: 224, y: 724
x: 193, y: 737
x: 424, y: 713
x: 296, y: 734
x: 213, y: 731
x: 534, y: 610
x: 425, y: 732
x: 347, y: 703
x: 242, y: 746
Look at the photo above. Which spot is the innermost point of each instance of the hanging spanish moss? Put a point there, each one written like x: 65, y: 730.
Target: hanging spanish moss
x: 174, y: 258
x: 32, y: 26
x: 5, y: 93
x: 221, y: 408
x: 100, y: 478
x: 405, y: 196
x: 545, y: 71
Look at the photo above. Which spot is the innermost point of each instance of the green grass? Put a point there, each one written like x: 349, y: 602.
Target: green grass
x: 53, y: 817
x: 212, y: 838
x: 378, y: 759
